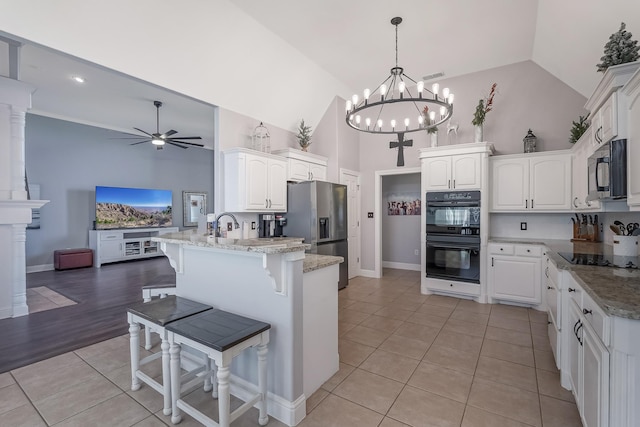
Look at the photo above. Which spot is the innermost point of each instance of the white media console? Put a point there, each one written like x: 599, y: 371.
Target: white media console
x: 121, y: 245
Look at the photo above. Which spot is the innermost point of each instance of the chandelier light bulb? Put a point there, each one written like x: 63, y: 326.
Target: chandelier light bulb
x: 367, y: 121
x: 383, y: 90
x: 406, y: 122
x: 401, y: 87
x: 435, y: 88
x: 354, y: 98
x: 393, y: 123
x: 451, y: 98
x: 420, y: 120
x: 348, y: 106
x: 379, y: 123
x: 443, y: 111
x: 367, y: 92
x: 420, y: 87
x: 358, y: 120
x: 445, y: 93
x: 432, y: 116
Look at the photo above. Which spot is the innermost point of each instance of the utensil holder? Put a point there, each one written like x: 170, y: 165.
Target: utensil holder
x: 625, y: 245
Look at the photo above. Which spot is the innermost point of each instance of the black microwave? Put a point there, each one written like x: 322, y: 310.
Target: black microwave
x: 607, y: 171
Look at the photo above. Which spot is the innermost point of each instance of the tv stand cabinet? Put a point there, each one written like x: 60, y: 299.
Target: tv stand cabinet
x: 121, y: 245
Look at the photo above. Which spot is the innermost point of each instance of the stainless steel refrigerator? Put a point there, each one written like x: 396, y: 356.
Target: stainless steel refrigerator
x: 317, y: 211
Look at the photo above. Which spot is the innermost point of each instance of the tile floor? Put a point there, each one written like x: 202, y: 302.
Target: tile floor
x: 42, y: 298
x: 405, y: 359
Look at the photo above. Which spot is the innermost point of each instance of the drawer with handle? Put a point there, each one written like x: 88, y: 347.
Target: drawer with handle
x: 596, y: 318
x: 501, y: 249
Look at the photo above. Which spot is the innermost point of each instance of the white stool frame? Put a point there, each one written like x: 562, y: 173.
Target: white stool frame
x: 149, y: 292
x: 222, y: 361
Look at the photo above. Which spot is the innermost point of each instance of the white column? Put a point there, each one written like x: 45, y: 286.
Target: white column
x: 15, y: 209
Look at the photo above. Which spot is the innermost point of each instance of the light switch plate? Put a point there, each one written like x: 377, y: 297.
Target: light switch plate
x: 369, y: 214
x: 523, y: 226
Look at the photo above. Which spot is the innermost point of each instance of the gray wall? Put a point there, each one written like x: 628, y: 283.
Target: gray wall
x: 68, y: 160
x: 400, y: 234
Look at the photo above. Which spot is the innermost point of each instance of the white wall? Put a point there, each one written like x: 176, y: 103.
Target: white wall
x: 539, y: 226
x: 400, y: 233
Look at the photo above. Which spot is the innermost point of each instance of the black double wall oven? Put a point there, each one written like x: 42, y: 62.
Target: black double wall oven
x: 453, y: 235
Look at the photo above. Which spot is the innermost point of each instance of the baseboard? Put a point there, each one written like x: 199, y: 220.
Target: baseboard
x: 401, y: 265
x: 38, y: 268
x: 368, y: 273
x: 6, y: 313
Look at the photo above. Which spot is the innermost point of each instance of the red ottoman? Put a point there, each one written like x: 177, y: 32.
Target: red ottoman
x: 65, y: 259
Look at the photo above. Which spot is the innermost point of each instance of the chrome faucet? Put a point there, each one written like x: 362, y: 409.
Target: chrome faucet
x: 235, y: 222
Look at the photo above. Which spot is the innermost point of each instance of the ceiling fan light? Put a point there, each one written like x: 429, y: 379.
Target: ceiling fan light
x: 157, y: 141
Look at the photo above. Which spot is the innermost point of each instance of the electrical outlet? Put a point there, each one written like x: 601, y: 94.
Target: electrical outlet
x: 416, y: 252
x: 229, y: 226
x: 253, y: 225
x: 369, y: 214
x: 523, y: 226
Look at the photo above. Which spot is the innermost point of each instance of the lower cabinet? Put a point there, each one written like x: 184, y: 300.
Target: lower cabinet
x: 121, y: 245
x: 514, y: 273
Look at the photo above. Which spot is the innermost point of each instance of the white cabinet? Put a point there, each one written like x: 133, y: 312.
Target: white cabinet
x: 539, y: 182
x: 120, y: 245
x: 461, y: 172
x: 604, y: 122
x: 553, y: 299
x: 515, y: 273
x: 579, y: 174
x: 254, y: 181
x: 304, y: 166
x: 632, y: 92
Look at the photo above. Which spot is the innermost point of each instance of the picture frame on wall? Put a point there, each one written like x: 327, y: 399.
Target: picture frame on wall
x: 401, y: 204
x: 194, y: 204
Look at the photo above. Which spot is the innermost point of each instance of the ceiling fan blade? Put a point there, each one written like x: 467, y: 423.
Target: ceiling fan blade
x: 183, y: 142
x: 141, y: 142
x: 168, y: 133
x: 146, y: 133
x: 131, y: 137
x: 173, y: 143
x: 188, y: 137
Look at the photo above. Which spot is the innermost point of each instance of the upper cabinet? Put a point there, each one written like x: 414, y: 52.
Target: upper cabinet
x: 632, y: 93
x: 604, y: 122
x: 445, y: 168
x: 254, y: 181
x: 579, y: 173
x: 303, y: 166
x: 531, y: 182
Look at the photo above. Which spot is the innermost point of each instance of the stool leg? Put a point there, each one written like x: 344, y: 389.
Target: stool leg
x: 214, y: 382
x: 175, y: 383
x: 263, y: 418
x: 134, y: 342
x: 166, y: 376
x: 207, y: 379
x: 223, y: 396
x: 147, y: 338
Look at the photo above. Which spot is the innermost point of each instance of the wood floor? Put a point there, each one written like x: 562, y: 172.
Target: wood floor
x: 102, y: 296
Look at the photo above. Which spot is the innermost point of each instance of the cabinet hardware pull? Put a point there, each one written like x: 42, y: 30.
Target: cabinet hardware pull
x: 548, y: 287
x: 531, y: 203
x: 266, y: 203
x: 546, y: 271
x: 575, y: 325
x: 571, y: 290
x: 575, y: 202
x: 492, y: 260
x: 578, y: 330
x: 454, y: 183
x: 451, y: 284
x: 528, y: 250
x: 449, y: 184
x: 526, y: 204
x: 269, y: 203
x: 585, y: 311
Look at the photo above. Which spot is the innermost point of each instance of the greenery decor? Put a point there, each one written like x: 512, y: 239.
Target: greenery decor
x: 579, y: 128
x: 620, y: 49
x: 304, y: 135
x: 484, y: 106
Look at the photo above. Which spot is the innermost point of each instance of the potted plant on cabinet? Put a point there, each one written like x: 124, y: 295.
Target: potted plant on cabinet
x: 304, y: 135
x: 484, y: 106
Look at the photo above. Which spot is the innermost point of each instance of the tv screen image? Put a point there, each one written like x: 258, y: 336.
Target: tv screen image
x: 118, y: 207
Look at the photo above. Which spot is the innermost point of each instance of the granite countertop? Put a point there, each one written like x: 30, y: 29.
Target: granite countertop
x: 276, y: 245
x: 615, y: 290
x: 316, y: 262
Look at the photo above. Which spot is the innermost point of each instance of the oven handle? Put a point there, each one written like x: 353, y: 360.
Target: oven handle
x: 453, y: 204
x: 463, y: 246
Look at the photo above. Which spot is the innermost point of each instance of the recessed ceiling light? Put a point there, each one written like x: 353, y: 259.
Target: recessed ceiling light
x: 78, y: 79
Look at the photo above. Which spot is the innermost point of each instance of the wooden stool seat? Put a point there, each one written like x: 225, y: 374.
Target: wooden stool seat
x: 222, y: 336
x: 148, y: 293
x: 155, y: 315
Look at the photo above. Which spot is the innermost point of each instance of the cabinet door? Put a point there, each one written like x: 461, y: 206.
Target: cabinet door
x: 608, y: 115
x: 550, y: 182
x: 466, y: 172
x: 318, y: 172
x: 575, y: 352
x: 509, y: 184
x: 595, y: 380
x: 579, y: 175
x: 277, y: 186
x: 256, y: 191
x: 110, y: 249
x: 515, y: 278
x: 298, y: 170
x: 633, y: 150
x: 437, y: 173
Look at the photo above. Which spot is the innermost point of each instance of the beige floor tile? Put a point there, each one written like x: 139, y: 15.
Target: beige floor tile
x: 369, y: 390
x: 406, y: 305
x: 115, y: 344
x: 427, y: 320
x: 458, y: 341
x: 344, y: 302
x: 474, y: 417
x: 541, y: 342
x: 151, y: 421
x: 394, y: 313
x: 506, y: 322
x: 335, y: 411
x: 539, y: 329
x: 119, y: 410
x: 537, y: 316
x: 457, y: 360
x: 412, y: 298
x: 419, y: 332
x: 22, y: 416
x: 390, y: 365
x: 443, y: 300
x: 421, y: 408
x: 353, y: 353
x: 512, y: 311
x: 444, y: 382
x: 469, y: 305
x: 549, y: 385
x: 466, y: 328
x: 365, y: 307
x: 367, y: 336
x: 509, y: 352
x: 108, y: 361
x: 405, y: 346
x: 354, y: 294
x: 508, y: 335
x: 545, y: 360
x: 380, y: 300
x: 11, y: 397
x: 435, y: 310
x: 390, y: 422
x: 343, y: 372
x: 344, y: 327
x: 315, y: 399
x: 559, y: 413
x: 381, y: 323
x: 73, y: 400
x: 505, y: 400
x: 469, y: 316
x: 6, y: 379
x: 503, y: 372
x: 351, y: 316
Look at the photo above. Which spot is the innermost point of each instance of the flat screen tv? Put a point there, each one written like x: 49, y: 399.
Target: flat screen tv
x: 118, y: 207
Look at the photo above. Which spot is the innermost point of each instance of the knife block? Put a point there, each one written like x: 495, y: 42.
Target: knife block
x: 589, y: 234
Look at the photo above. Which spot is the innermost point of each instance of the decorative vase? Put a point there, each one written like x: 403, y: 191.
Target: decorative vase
x: 304, y: 147
x: 479, y: 133
x: 434, y: 139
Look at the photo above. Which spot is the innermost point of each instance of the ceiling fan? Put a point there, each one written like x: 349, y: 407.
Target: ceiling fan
x: 160, y: 139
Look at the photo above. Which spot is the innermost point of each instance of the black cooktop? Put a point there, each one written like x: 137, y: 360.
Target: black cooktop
x: 601, y: 260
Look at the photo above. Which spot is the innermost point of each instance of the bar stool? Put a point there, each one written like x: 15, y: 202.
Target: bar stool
x: 221, y: 336
x: 148, y: 293
x: 155, y: 315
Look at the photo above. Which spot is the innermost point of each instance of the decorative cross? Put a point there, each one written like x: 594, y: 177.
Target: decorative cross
x: 400, y: 144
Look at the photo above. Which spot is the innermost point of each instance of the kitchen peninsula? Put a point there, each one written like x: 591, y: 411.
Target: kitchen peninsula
x: 274, y: 281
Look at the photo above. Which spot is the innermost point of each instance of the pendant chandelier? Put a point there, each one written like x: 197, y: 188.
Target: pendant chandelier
x: 378, y: 111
